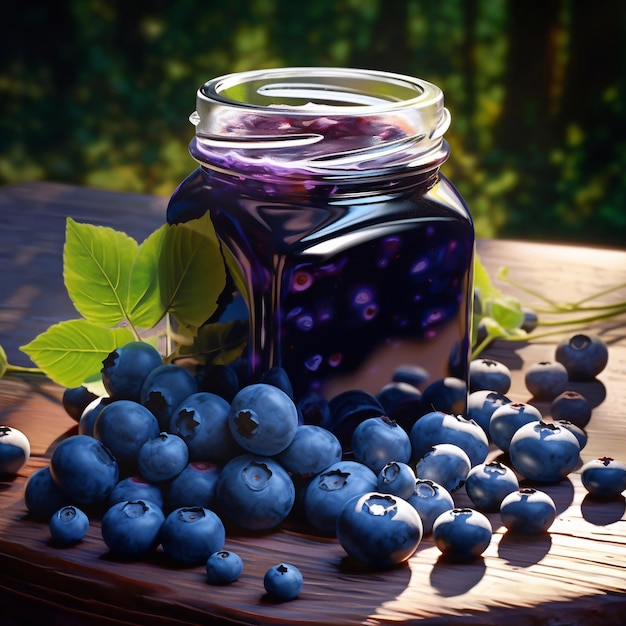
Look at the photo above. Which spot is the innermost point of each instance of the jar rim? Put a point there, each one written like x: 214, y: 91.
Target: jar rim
x: 331, y: 90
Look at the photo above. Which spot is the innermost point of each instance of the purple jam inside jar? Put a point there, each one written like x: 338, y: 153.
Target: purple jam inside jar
x: 352, y: 252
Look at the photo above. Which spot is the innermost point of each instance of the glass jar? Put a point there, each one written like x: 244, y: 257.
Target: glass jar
x: 352, y: 252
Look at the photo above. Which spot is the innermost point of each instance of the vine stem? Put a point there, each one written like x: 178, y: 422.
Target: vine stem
x: 18, y: 369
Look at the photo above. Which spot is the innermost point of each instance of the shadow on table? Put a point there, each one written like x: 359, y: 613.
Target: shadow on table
x: 450, y: 579
x: 603, y: 512
x: 523, y: 550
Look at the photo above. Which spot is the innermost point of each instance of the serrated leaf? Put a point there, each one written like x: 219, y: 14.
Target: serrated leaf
x: 72, y: 351
x: 145, y: 305
x: 507, y: 311
x: 97, y: 263
x: 191, y: 272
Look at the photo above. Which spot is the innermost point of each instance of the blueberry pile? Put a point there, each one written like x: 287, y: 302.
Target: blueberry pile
x: 179, y: 457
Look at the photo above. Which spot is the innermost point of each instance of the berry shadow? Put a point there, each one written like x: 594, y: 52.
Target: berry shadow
x: 603, y: 512
x: 449, y: 578
x: 520, y: 550
x: 350, y: 566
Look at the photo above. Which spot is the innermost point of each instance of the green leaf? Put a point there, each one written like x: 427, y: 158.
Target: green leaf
x: 97, y: 263
x: 4, y: 362
x: 145, y: 305
x: 72, y: 351
x: 191, y: 272
x: 507, y: 311
x: 482, y: 281
x: 217, y: 343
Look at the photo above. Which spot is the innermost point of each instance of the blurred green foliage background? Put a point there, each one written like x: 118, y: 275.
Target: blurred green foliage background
x: 98, y: 92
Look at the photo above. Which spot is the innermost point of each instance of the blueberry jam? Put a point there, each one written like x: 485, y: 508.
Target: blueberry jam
x: 350, y: 249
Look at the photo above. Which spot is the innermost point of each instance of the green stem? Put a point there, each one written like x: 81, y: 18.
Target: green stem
x: 530, y: 291
x: 581, y: 320
x: 17, y: 369
x: 602, y: 293
x: 481, y: 346
x: 575, y: 308
x: 168, y: 335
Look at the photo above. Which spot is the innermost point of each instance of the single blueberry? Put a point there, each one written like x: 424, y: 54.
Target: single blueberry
x: 462, y: 534
x: 546, y: 380
x: 125, y: 369
x: 448, y: 395
x: 583, y: 356
x: 489, y: 374
x: 571, y: 406
x: 527, y: 511
x: 283, y: 582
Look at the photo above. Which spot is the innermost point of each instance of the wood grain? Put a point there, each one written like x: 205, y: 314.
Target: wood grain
x: 574, y: 575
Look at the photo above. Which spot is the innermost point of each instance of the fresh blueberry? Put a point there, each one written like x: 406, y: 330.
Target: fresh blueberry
x: 544, y: 452
x: 283, y: 582
x: 411, y: 374
x: 84, y: 469
x: 437, y: 427
x: 430, y: 500
x: 508, y: 419
x: 196, y: 485
x: 527, y: 511
x: 278, y: 377
x: 397, y: 479
x: 131, y: 528
x: 68, y: 525
x: 583, y: 356
x: 378, y: 441
x: 42, y: 496
x: 136, y: 488
x: 488, y: 483
x: 223, y: 567
x: 579, y: 433
x: 190, y: 535
x: 462, y: 534
x: 604, y: 478
x: 326, y: 494
x: 263, y: 419
x: 347, y: 410
x: 90, y: 415
x: 123, y: 427
x: 530, y: 320
x: 222, y: 380
x: 164, y: 389
x: 546, y: 380
x: 125, y: 369
x: 14, y: 450
x: 76, y: 399
x: 314, y: 408
x: 445, y: 464
x: 255, y: 493
x: 162, y: 458
x: 379, y: 529
x: 402, y: 403
x: 488, y: 374
x: 573, y: 407
x: 481, y: 406
x: 312, y: 450
x: 448, y: 395
x: 202, y: 421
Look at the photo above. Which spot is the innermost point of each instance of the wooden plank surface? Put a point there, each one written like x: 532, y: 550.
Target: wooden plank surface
x: 574, y: 575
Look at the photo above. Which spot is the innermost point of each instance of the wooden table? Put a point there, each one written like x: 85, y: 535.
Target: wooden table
x: 574, y: 575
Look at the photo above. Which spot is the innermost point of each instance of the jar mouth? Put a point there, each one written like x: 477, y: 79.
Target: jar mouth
x: 331, y: 90
x: 325, y: 119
